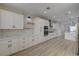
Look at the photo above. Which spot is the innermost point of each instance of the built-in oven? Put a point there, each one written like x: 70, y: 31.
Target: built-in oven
x: 45, y: 30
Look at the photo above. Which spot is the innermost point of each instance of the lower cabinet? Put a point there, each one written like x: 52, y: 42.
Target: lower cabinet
x: 30, y: 41
x: 23, y: 44
x: 5, y: 48
x: 15, y: 46
x: 10, y: 46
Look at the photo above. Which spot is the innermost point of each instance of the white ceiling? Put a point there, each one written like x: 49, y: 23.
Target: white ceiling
x: 37, y: 9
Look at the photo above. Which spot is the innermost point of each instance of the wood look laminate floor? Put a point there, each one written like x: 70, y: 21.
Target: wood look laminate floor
x: 53, y: 47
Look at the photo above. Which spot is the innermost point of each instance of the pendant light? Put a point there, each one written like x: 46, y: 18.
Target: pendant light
x: 46, y: 10
x: 29, y: 19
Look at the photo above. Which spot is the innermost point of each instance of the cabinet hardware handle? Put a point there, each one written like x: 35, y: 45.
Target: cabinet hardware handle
x: 10, y: 41
x: 13, y: 26
x: 10, y: 45
x: 23, y: 46
x: 32, y: 39
x: 23, y: 41
x: 23, y: 38
x: 40, y: 30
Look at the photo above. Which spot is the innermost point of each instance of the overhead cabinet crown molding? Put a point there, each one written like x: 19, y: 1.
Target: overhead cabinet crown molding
x: 10, y: 20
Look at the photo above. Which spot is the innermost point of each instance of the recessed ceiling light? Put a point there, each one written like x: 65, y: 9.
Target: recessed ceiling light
x: 54, y: 16
x: 47, y: 8
x: 69, y: 12
x: 45, y: 12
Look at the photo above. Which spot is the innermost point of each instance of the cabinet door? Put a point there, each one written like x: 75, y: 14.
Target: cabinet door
x: 38, y: 31
x: 26, y: 42
x: 36, y: 34
x: 17, y: 21
x: 6, y: 19
x: 10, y: 20
x: 41, y: 36
x: 15, y: 45
x: 22, y: 44
x: 4, y: 48
x: 30, y: 42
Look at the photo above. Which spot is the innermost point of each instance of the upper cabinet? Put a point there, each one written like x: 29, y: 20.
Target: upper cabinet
x: 10, y: 20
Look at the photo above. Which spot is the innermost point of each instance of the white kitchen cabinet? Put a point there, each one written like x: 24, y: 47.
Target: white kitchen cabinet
x: 30, y: 42
x: 26, y: 43
x: 21, y: 44
x: 9, y: 46
x: 37, y: 30
x: 5, y: 48
x: 39, y: 24
x: 10, y: 20
x: 29, y: 38
x: 17, y: 21
x: 15, y: 45
x: 33, y: 37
